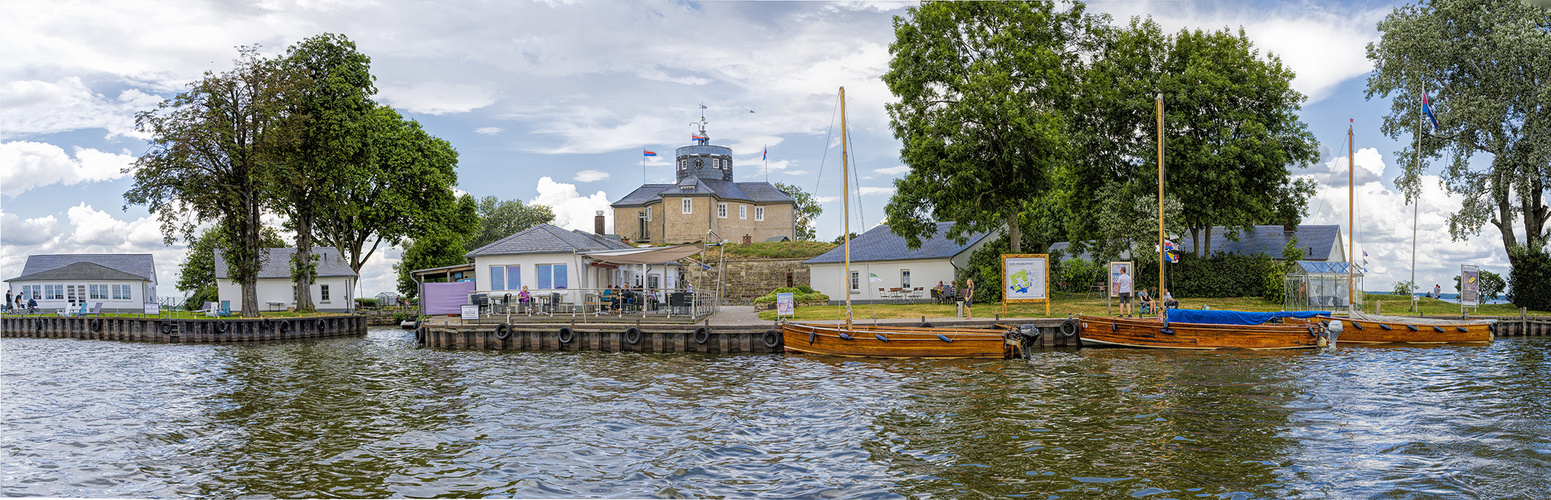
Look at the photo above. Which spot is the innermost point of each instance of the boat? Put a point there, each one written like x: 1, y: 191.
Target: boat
x: 850, y: 339
x: 1207, y: 329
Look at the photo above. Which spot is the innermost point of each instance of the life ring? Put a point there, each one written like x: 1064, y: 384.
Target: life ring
x: 38, y: 323
x: 222, y: 326
x: 567, y: 334
x: 702, y: 335
x: 772, y: 338
x: 166, y: 327
x: 633, y: 335
x: 1068, y: 328
x: 503, y: 331
x: 95, y: 324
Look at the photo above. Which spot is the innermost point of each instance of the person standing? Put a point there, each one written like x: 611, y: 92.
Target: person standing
x: 1437, y: 291
x: 1123, y: 288
x: 7, y: 307
x: 969, y: 297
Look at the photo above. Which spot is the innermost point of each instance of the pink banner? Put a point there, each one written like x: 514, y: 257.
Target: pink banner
x: 445, y: 298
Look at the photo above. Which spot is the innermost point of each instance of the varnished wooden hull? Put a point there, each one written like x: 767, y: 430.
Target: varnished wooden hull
x: 903, y: 342
x: 1151, y: 333
x: 1358, y: 331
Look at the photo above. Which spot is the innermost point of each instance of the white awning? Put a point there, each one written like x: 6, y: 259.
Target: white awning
x: 654, y: 255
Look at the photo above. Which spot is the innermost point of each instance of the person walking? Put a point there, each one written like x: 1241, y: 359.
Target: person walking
x: 1123, y: 288
x: 969, y: 298
x: 7, y: 307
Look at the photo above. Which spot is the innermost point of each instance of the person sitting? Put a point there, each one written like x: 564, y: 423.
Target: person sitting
x: 1168, y: 300
x: 32, y: 306
x: 1144, y: 300
x: 649, y: 299
x: 948, y: 294
x: 524, y: 300
x: 937, y: 292
x: 609, y: 300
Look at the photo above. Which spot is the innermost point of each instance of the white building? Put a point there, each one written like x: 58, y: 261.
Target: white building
x: 120, y: 282
x: 881, y: 253
x: 332, y: 291
x: 548, y: 260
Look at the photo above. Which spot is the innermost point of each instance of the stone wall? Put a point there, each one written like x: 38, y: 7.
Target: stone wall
x: 749, y: 279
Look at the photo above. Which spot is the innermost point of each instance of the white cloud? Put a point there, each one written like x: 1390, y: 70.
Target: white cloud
x: 1333, y: 172
x: 488, y: 130
x: 36, y: 231
x: 25, y: 165
x: 896, y: 170
x: 590, y: 176
x: 89, y: 231
x: 436, y: 98
x: 97, y: 228
x: 572, y: 210
x: 38, y: 107
x: 868, y: 191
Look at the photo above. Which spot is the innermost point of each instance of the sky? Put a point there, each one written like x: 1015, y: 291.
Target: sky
x: 553, y: 102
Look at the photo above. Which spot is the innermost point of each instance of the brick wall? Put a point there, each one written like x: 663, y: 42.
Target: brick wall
x: 748, y: 279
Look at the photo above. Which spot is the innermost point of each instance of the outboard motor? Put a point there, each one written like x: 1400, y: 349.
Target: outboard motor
x: 1333, y: 331
x: 1031, y: 333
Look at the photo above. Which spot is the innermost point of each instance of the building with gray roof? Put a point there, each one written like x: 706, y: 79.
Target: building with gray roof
x: 120, y: 282
x: 332, y: 291
x: 884, y: 268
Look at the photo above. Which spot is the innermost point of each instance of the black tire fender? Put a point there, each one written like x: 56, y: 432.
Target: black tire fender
x: 283, y: 326
x: 702, y: 335
x: 166, y: 327
x: 633, y: 335
x: 772, y: 338
x: 267, y: 324
x: 1068, y: 328
x: 222, y: 326
x: 420, y: 334
x: 95, y: 324
x: 503, y: 331
x: 567, y: 334
x: 323, y: 324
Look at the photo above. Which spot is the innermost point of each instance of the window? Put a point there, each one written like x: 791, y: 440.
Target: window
x: 551, y: 276
x: 721, y: 210
x: 122, y: 292
x: 648, y: 214
x: 323, y: 293
x: 904, y: 278
x: 689, y: 206
x: 53, y: 292
x: 856, y: 282
x: 97, y: 292
x: 76, y: 293
x: 743, y: 211
x: 497, y: 277
x: 514, y: 277
x: 32, y: 291
x: 759, y: 213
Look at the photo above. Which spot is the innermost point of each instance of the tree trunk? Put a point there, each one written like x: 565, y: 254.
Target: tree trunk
x: 252, y: 254
x: 302, y: 261
x: 1207, y: 243
x: 1015, y: 233
x: 1195, y: 240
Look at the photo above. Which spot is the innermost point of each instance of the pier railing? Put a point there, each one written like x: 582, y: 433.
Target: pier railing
x: 594, y: 302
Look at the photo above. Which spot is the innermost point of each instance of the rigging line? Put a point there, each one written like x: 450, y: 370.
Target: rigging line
x: 819, y: 181
x: 862, y: 217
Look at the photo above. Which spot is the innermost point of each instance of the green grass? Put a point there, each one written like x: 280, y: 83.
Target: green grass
x: 775, y: 250
x: 1080, y: 303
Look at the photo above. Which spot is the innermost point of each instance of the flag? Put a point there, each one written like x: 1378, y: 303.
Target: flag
x: 694, y: 137
x: 648, y: 153
x: 1426, y: 108
x: 873, y: 277
x: 766, y: 156
x: 1169, y: 253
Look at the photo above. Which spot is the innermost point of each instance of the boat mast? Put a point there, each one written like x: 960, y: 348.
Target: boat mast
x: 1351, y: 218
x: 845, y: 173
x: 1162, y: 253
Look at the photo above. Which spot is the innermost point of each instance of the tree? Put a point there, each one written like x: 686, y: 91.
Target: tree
x: 984, y: 92
x: 400, y: 188
x: 807, y: 211
x: 499, y: 219
x: 1230, y: 131
x: 208, y: 161
x: 442, y: 248
x: 1486, y: 64
x: 324, y: 127
x: 198, y: 271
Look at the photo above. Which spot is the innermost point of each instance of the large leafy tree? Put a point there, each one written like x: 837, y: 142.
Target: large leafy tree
x: 1486, y: 64
x: 209, y: 161
x: 439, y: 246
x: 984, y: 92
x: 1230, y: 127
x: 324, y: 126
x: 808, y: 210
x: 197, y: 274
x: 499, y: 219
x: 400, y: 187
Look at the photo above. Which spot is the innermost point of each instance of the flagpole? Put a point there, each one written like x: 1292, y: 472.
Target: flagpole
x: 1351, y: 217
x: 1416, y: 209
x: 1162, y: 253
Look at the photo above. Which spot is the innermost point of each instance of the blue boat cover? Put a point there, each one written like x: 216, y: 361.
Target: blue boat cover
x: 1214, y: 317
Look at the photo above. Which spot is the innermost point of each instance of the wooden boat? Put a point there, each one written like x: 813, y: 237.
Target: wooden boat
x: 1371, y: 329
x: 1190, y: 329
x: 898, y: 342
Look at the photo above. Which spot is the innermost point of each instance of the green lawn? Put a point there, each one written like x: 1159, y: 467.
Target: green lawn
x: 1079, y: 303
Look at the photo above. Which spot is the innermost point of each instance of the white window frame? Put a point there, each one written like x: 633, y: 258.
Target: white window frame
x: 743, y: 211
x: 904, y: 278
x: 323, y: 293
x: 648, y: 214
x: 721, y: 210
x: 123, y: 292
x: 856, y: 282
x: 689, y: 205
x: 97, y: 291
x: 759, y: 213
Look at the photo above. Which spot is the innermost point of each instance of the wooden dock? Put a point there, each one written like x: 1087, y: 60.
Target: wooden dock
x: 165, y: 330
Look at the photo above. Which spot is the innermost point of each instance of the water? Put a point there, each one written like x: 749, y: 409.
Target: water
x: 375, y: 417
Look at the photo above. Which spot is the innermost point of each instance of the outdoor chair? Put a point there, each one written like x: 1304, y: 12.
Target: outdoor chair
x: 96, y: 309
x: 226, y: 308
x: 209, y: 309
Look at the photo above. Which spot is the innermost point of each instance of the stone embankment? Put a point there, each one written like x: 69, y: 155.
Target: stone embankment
x: 135, y: 329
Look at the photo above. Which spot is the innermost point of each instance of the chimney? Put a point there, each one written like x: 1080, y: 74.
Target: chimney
x: 597, y: 223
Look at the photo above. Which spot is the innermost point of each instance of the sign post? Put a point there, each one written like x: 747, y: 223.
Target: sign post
x: 1025, y: 278
x: 786, y: 305
x: 1469, y: 287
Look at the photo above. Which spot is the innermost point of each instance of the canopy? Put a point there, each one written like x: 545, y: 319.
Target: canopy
x: 653, y: 255
x: 1235, y: 317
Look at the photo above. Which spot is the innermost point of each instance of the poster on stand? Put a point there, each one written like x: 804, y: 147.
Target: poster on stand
x: 1469, y: 286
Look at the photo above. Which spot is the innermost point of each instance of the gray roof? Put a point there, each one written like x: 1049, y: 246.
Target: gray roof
x: 1317, y: 241
x: 1322, y: 267
x: 276, y: 263
x: 754, y: 192
x: 140, y: 266
x: 81, y: 271
x: 880, y: 243
x: 548, y: 238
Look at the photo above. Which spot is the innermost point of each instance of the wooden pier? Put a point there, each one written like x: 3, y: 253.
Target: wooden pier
x: 165, y: 330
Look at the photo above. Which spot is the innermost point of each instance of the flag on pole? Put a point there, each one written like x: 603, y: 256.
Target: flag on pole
x: 1427, y: 108
x: 648, y: 153
x: 766, y: 156
x: 873, y: 277
x: 694, y: 137
x: 1169, y: 253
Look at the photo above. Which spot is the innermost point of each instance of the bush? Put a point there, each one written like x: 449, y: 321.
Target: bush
x: 803, y: 293
x: 1529, y: 281
x: 1221, y: 275
x: 366, y: 303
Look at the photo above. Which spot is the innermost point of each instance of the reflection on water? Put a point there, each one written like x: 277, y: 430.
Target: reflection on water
x: 375, y: 417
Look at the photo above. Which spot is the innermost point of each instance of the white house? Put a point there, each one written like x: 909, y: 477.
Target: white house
x: 331, y: 291
x: 547, y: 259
x: 121, y: 282
x: 881, y: 253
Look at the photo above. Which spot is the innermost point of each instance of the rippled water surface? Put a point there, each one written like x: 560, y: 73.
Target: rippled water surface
x: 375, y: 417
